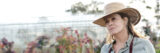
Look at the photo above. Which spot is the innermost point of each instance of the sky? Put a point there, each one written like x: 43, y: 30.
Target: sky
x: 28, y: 11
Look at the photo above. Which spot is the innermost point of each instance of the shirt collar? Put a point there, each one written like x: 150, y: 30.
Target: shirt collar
x: 127, y: 44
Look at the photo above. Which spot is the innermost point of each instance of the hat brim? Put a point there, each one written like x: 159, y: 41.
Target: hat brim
x: 133, y: 14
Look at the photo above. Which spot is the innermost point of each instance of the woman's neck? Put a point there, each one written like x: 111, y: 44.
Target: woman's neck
x: 121, y: 37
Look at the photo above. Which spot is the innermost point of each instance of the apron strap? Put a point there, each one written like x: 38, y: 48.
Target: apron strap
x: 110, y: 50
x: 130, y: 47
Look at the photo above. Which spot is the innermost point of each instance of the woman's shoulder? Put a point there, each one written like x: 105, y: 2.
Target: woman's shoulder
x: 144, y: 44
x: 105, y: 48
x: 142, y: 40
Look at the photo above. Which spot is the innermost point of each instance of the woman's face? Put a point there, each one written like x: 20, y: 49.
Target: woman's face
x: 115, y: 23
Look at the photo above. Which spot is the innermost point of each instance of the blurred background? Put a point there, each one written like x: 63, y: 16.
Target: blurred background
x: 65, y: 26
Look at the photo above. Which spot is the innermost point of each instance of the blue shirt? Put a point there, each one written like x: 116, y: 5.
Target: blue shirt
x: 140, y: 45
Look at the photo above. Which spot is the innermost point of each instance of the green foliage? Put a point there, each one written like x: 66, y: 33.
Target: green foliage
x: 157, y: 50
x: 91, y: 8
x: 148, y: 7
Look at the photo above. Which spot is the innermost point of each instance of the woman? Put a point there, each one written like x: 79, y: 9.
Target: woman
x: 122, y: 37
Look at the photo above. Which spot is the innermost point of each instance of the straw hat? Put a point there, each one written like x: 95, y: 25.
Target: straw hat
x: 116, y: 7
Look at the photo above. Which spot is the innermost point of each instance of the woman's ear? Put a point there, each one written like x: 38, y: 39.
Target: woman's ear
x: 125, y: 20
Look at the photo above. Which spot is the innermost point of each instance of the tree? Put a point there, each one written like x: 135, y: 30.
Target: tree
x: 157, y: 9
x: 91, y: 8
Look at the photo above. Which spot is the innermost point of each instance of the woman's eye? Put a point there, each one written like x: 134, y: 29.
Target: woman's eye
x: 113, y: 19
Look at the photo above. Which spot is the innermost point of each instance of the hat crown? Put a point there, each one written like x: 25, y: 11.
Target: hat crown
x: 116, y: 7
x: 113, y: 7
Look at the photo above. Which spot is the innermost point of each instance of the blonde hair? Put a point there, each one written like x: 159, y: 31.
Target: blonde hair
x: 130, y: 28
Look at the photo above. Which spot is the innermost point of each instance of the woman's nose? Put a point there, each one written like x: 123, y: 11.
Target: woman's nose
x: 110, y: 23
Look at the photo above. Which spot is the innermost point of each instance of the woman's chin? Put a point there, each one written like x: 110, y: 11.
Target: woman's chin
x: 113, y: 32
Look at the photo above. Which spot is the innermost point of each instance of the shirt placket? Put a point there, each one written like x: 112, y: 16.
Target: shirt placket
x: 126, y: 45
x: 123, y: 50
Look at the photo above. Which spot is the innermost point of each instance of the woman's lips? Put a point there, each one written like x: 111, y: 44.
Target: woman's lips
x: 111, y: 28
